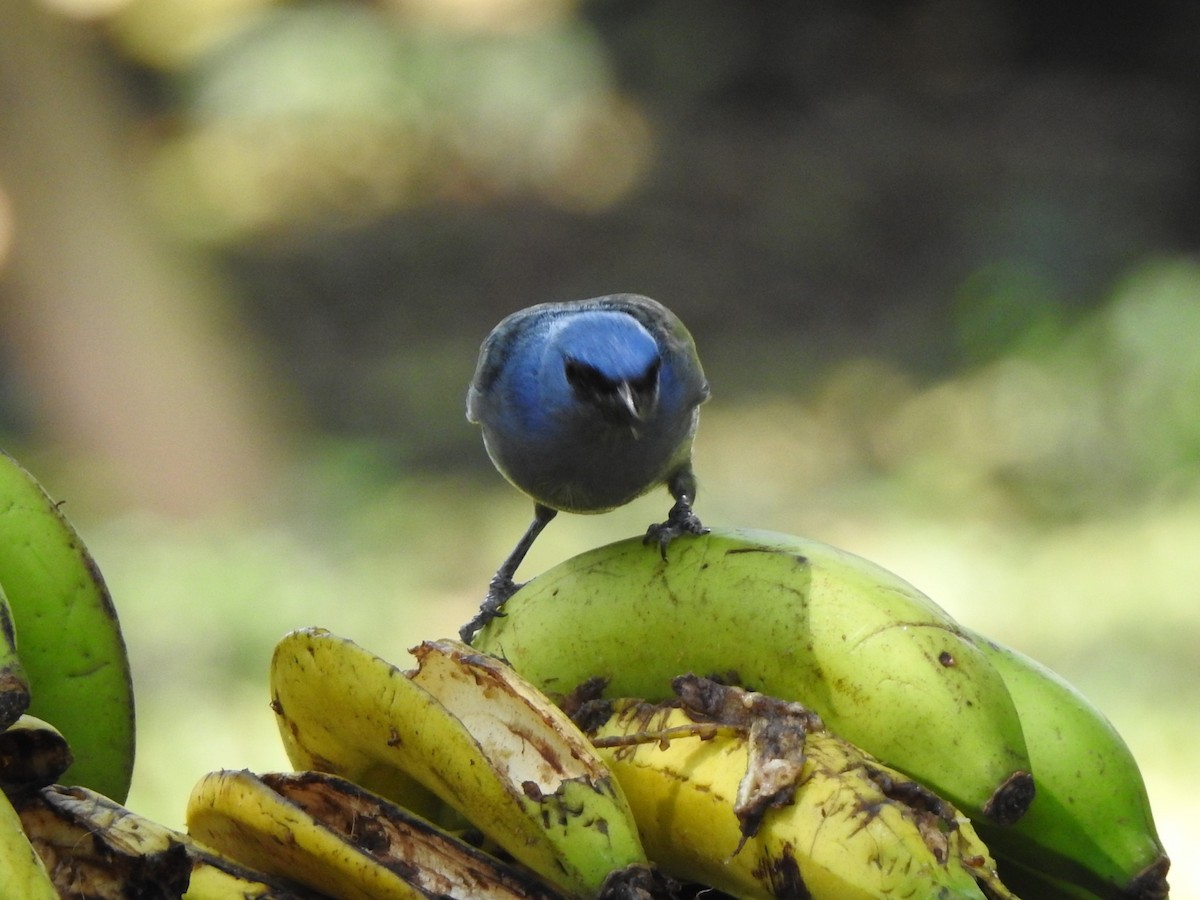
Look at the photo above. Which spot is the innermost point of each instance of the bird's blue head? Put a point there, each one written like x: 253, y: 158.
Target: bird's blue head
x: 609, y: 362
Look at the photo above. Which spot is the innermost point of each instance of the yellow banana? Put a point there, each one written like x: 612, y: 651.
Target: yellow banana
x: 848, y: 828
x: 22, y: 872
x: 217, y: 878
x: 33, y: 754
x: 14, y: 684
x: 223, y: 879
x: 67, y: 632
x: 1090, y: 825
x: 469, y: 729
x: 883, y: 665
x: 333, y: 837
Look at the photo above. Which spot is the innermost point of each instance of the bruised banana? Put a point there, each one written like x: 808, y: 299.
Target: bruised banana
x: 33, y: 754
x: 67, y: 632
x: 469, y: 729
x: 884, y: 666
x: 336, y: 838
x: 1090, y: 825
x: 14, y: 684
x: 97, y: 848
x: 850, y: 829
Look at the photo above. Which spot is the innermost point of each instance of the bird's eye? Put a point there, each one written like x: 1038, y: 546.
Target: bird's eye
x: 587, y: 379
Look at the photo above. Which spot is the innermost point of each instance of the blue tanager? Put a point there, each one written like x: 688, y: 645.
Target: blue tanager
x: 584, y: 406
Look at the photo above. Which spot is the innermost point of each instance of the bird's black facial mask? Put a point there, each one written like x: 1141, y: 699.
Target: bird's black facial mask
x: 624, y: 402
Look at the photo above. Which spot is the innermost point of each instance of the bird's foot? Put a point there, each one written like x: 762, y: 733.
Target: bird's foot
x: 498, y: 593
x: 680, y: 521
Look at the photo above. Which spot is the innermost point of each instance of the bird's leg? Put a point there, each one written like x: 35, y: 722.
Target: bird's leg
x: 681, y: 519
x: 502, y: 585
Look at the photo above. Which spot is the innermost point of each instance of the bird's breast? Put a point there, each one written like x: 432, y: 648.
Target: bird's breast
x: 588, y: 466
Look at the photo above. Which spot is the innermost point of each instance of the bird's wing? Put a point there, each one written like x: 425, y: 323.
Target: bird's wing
x: 499, y: 346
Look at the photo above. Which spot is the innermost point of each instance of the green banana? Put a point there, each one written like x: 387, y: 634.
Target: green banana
x: 14, y: 684
x: 333, y: 837
x: 883, y: 665
x: 1090, y: 825
x: 22, y: 872
x: 33, y: 754
x: 1038, y: 885
x: 848, y: 828
x: 69, y: 637
x: 470, y: 730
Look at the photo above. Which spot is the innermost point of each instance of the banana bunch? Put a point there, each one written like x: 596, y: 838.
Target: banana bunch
x: 763, y: 716
x: 729, y: 789
x: 754, y: 796
x: 1044, y: 777
x: 461, y: 731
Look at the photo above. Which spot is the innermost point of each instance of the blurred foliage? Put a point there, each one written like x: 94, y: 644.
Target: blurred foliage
x: 1086, y: 417
x: 927, y: 184
x: 320, y: 115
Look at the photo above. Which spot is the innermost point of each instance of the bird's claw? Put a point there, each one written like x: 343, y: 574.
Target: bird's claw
x: 499, y: 591
x: 680, y: 521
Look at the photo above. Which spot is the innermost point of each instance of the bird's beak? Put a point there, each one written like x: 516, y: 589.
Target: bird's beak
x: 625, y: 395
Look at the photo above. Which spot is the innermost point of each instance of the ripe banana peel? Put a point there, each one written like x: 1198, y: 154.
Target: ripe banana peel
x: 67, y: 632
x: 884, y: 666
x: 333, y: 837
x: 1090, y: 825
x: 832, y: 823
x: 467, y: 728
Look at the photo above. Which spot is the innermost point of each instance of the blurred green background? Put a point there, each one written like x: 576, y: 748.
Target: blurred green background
x: 939, y: 259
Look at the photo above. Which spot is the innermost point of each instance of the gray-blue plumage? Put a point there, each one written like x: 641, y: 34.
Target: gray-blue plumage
x: 584, y: 406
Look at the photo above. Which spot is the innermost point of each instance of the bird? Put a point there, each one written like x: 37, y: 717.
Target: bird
x: 585, y: 405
